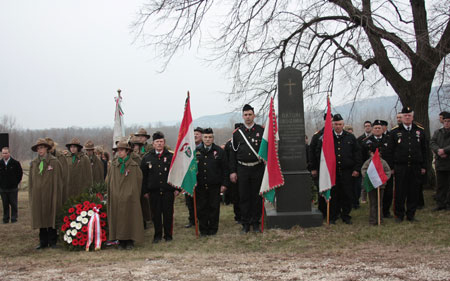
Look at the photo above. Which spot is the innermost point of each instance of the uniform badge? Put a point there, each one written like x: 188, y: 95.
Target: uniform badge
x: 149, y: 165
x: 399, y: 140
x: 49, y: 168
x: 127, y: 172
x: 257, y: 134
x: 165, y: 159
x: 215, y: 152
x: 165, y: 169
x: 253, y: 140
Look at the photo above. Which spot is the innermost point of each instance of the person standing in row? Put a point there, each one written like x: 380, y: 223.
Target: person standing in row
x: 155, y: 169
x: 124, y: 182
x: 212, y: 179
x: 143, y: 137
x: 80, y: 172
x: 407, y: 157
x: 45, y: 193
x: 247, y: 169
x: 96, y: 163
x: 440, y: 145
x: 64, y: 167
x: 10, y: 177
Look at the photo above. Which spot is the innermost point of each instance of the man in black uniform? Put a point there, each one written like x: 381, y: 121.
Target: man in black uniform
x: 348, y: 165
x: 212, y: 179
x: 380, y: 141
x: 384, y: 125
x: 155, y: 169
x: 407, y: 149
x: 233, y: 187
x: 248, y: 169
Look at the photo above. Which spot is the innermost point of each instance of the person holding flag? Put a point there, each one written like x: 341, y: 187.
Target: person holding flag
x: 375, y: 172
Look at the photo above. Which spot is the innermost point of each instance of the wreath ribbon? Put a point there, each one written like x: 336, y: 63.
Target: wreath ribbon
x: 94, y: 231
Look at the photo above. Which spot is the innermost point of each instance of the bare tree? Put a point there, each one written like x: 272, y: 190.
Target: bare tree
x: 403, y: 43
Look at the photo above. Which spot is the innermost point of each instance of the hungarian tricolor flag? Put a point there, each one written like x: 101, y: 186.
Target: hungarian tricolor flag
x: 119, y: 127
x: 375, y: 176
x: 268, y: 151
x: 183, y: 169
x: 327, y: 172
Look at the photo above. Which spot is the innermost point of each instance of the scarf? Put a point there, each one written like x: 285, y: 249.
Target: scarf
x: 122, y: 164
x: 41, y: 166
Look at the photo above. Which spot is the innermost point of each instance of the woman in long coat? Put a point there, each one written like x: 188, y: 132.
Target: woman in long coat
x: 80, y: 172
x: 45, y: 185
x: 124, y: 181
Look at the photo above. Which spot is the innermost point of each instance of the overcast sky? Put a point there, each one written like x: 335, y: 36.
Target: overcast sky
x: 63, y: 61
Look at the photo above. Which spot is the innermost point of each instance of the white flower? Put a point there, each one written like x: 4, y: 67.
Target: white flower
x: 79, y: 218
x: 65, y: 237
x: 78, y: 226
x: 68, y: 232
x: 73, y: 224
x: 84, y: 221
x: 83, y: 214
x: 69, y: 240
x: 90, y: 213
x: 74, y: 232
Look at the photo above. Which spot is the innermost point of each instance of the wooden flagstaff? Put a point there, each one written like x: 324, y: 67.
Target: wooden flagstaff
x: 328, y: 212
x: 379, y: 208
x: 195, y: 214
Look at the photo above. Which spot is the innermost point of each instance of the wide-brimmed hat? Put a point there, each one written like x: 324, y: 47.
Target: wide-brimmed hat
x: 89, y: 145
x: 51, y: 142
x: 142, y: 132
x: 40, y: 142
x: 122, y: 144
x: 74, y: 141
x: 135, y: 140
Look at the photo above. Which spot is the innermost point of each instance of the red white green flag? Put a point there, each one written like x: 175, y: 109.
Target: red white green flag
x: 268, y: 151
x: 183, y: 169
x: 119, y: 127
x: 327, y: 172
x: 376, y: 176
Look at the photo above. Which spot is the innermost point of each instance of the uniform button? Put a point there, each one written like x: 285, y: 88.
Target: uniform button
x: 249, y: 154
x: 204, y: 171
x: 159, y: 165
x: 339, y: 162
x: 160, y: 182
x: 204, y: 164
x: 159, y: 173
x: 339, y: 148
x: 409, y: 156
x: 339, y: 155
x: 204, y: 178
x: 206, y: 185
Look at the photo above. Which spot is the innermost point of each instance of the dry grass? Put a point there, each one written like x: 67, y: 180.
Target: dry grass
x: 406, y: 251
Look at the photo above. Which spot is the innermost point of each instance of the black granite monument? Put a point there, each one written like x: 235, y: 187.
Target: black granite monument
x: 293, y: 200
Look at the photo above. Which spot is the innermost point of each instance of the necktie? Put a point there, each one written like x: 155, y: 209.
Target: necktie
x: 41, y: 167
x: 122, y: 162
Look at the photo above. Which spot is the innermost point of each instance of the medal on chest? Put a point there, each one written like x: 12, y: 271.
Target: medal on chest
x: 165, y: 159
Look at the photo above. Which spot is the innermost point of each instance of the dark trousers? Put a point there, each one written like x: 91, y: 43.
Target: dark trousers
x: 443, y: 188
x: 47, y: 236
x: 407, y: 182
x: 161, y: 205
x: 342, y: 196
x: 249, y: 180
x: 9, y: 201
x: 190, y: 206
x: 356, y: 191
x: 208, y: 208
x: 373, y: 205
x: 233, y: 189
x: 322, y: 204
x: 145, y: 207
x: 388, y: 197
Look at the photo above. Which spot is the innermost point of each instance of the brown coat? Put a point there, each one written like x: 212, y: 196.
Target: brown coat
x: 80, y: 174
x: 65, y: 173
x: 124, y: 207
x: 97, y: 169
x: 45, y: 192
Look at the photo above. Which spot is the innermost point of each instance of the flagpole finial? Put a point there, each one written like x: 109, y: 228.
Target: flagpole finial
x: 188, y: 94
x: 119, y: 91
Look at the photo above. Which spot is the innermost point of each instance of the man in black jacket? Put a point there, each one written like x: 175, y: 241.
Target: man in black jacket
x: 10, y: 177
x: 155, y: 170
x: 212, y: 178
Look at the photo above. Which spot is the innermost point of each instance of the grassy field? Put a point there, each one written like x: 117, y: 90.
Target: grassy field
x: 406, y: 251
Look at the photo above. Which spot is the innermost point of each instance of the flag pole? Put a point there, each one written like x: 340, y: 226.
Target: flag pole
x: 379, y: 208
x: 195, y: 214
x: 328, y: 212
x: 262, y: 216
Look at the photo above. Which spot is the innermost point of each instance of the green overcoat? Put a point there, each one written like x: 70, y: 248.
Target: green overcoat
x: 80, y: 173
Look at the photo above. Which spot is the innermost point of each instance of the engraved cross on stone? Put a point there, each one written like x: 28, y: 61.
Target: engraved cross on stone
x: 290, y: 84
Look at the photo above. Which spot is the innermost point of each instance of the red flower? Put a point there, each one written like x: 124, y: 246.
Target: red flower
x: 82, y: 242
x: 103, y: 238
x: 86, y: 208
x: 103, y: 215
x: 66, y: 219
x: 75, y: 242
x: 73, y: 217
x: 79, y: 235
x: 84, y: 229
x: 63, y: 228
x: 79, y: 211
x: 102, y: 223
x: 67, y: 224
x: 79, y: 206
x: 99, y: 206
x: 99, y: 196
x: 71, y: 210
x: 85, y: 237
x: 92, y: 205
x: 86, y: 203
x: 103, y: 232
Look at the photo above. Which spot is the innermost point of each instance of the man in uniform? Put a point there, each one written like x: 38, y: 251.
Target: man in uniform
x: 44, y: 187
x: 64, y: 167
x: 348, y: 165
x: 380, y: 141
x: 96, y: 163
x: 80, y: 172
x: 399, y: 118
x: 358, y: 180
x: 367, y: 132
x: 248, y: 169
x: 440, y: 145
x: 189, y: 199
x: 212, y: 179
x: 10, y: 177
x: 407, y: 156
x: 385, y: 127
x: 155, y: 168
x: 143, y: 137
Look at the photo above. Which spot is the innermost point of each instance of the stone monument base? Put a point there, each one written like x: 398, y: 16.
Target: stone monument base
x: 286, y: 220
